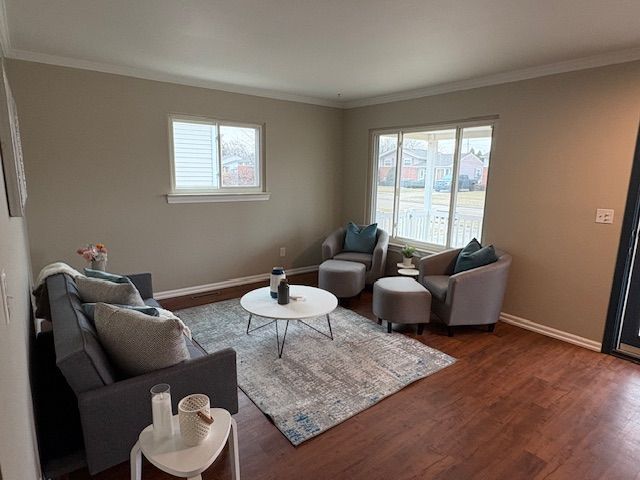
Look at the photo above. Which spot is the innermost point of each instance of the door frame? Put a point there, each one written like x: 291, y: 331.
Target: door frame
x: 630, y: 223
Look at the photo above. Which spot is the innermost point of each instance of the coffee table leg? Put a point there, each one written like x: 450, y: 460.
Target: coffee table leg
x: 233, y: 450
x: 284, y: 337
x: 329, y: 323
x: 136, y: 462
x: 249, y: 324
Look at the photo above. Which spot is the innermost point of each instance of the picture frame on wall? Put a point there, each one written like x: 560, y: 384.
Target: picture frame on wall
x: 11, y: 150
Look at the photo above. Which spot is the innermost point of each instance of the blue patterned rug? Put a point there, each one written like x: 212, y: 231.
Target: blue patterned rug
x: 318, y: 383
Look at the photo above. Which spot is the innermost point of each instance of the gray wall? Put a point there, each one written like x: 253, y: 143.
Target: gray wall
x: 97, y: 162
x: 97, y: 159
x: 18, y: 455
x: 563, y: 147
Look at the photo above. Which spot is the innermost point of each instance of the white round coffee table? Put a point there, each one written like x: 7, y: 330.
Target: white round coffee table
x: 313, y: 302
x: 172, y: 456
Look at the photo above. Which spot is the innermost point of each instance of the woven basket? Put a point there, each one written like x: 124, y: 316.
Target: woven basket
x: 194, y: 429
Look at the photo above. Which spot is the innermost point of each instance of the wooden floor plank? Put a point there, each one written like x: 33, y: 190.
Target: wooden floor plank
x: 516, y: 405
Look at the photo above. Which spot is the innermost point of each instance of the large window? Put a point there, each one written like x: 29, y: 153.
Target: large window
x: 430, y: 184
x: 215, y: 157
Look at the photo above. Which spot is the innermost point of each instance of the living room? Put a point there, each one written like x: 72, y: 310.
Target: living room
x: 338, y: 109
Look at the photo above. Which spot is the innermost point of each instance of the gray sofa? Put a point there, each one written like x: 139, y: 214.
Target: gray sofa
x: 472, y: 297
x: 114, y: 409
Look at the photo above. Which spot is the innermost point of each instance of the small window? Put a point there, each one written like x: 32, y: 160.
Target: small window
x: 210, y: 156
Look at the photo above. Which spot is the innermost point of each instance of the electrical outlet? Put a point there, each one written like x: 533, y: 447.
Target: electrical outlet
x: 604, y: 215
x: 4, y: 294
x: 283, y: 251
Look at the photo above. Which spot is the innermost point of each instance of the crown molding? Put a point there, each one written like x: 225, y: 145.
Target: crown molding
x: 148, y: 74
x: 5, y: 40
x: 601, y: 60
x: 610, y: 58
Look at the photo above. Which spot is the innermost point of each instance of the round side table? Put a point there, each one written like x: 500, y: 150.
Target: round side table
x: 172, y: 456
x: 409, y: 272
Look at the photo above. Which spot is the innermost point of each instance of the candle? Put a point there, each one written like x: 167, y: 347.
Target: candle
x: 161, y: 411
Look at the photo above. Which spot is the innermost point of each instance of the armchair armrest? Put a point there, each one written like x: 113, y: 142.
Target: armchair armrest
x: 142, y: 281
x: 333, y: 244
x: 379, y: 260
x: 113, y: 416
x: 441, y: 263
x: 478, y: 293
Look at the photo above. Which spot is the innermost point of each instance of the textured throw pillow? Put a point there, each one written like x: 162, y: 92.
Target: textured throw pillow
x: 360, y: 239
x: 89, y: 310
x: 474, y: 255
x: 138, y: 343
x: 111, y: 277
x: 94, y: 290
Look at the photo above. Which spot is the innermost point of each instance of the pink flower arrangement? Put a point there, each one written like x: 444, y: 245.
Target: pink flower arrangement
x: 93, y: 253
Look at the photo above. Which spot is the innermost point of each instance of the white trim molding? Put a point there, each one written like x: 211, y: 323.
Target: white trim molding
x: 551, y: 332
x: 158, y: 76
x: 234, y: 282
x: 5, y: 39
x: 216, y: 197
x: 610, y: 58
x: 601, y: 60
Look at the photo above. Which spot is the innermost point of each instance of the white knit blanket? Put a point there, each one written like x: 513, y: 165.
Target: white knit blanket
x: 55, y: 268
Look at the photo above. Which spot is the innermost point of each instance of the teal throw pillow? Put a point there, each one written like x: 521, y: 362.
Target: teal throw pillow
x: 360, y: 239
x: 109, y: 277
x: 89, y: 309
x: 474, y: 255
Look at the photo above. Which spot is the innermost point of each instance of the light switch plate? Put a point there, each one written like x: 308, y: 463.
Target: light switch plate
x: 4, y: 294
x: 604, y: 215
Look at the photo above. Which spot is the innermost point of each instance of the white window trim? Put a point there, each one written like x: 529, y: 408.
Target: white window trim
x: 226, y: 194
x: 400, y: 131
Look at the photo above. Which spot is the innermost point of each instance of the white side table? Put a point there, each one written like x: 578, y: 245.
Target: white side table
x: 408, y: 271
x: 172, y: 456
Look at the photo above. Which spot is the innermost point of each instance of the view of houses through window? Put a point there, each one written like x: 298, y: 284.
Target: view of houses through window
x: 430, y: 184
x: 202, y: 149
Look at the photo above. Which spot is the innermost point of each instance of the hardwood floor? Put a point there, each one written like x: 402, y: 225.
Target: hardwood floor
x: 516, y: 405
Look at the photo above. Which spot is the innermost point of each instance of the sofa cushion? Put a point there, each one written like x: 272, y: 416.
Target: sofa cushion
x: 360, y: 239
x: 474, y: 255
x: 138, y: 343
x: 437, y: 285
x: 94, y: 290
x: 365, y: 258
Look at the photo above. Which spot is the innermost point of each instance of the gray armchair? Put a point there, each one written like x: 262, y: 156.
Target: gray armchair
x: 472, y: 297
x: 374, y: 263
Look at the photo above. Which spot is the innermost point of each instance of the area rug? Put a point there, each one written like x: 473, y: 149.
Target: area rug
x: 318, y: 383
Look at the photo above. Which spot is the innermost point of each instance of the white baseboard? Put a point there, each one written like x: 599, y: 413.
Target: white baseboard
x: 551, y: 332
x: 234, y: 282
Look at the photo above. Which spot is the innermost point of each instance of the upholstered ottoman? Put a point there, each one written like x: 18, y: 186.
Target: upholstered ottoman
x: 401, y: 300
x: 343, y: 279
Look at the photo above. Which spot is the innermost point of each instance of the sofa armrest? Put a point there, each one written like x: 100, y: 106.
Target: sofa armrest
x: 333, y: 244
x: 113, y: 416
x: 439, y: 263
x: 142, y: 281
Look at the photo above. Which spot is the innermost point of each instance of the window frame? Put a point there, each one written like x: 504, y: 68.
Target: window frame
x: 459, y: 126
x: 239, y: 193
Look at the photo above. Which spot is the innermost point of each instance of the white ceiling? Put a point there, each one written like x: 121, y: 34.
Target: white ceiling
x: 314, y: 49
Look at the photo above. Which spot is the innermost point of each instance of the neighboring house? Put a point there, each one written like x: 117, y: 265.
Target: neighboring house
x: 238, y: 171
x: 414, y: 164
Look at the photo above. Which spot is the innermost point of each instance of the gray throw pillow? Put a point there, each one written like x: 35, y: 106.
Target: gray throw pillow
x: 94, y: 290
x: 138, y: 343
